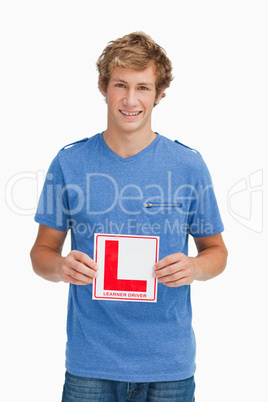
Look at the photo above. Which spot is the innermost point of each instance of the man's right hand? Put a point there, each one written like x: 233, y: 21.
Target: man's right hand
x: 78, y: 268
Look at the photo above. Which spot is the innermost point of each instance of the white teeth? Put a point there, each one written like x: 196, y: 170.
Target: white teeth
x: 130, y: 114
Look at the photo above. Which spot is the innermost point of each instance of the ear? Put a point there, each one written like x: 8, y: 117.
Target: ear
x: 157, y: 100
x: 103, y: 92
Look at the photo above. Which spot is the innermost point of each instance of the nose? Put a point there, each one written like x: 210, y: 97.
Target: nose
x: 130, y: 98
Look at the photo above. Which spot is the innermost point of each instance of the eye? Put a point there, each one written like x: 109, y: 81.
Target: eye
x: 143, y: 88
x: 119, y: 85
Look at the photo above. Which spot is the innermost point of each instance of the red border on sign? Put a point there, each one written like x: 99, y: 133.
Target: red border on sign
x: 131, y: 237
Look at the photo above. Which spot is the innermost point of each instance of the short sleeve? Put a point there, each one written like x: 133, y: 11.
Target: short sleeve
x: 204, y: 217
x: 53, y: 209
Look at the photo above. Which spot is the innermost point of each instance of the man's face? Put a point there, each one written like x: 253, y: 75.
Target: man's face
x: 131, y: 96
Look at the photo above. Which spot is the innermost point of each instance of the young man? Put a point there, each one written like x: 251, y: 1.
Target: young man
x: 129, y: 180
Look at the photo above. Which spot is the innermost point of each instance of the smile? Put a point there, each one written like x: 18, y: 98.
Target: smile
x: 130, y: 114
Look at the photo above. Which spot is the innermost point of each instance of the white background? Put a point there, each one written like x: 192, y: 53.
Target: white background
x: 216, y: 104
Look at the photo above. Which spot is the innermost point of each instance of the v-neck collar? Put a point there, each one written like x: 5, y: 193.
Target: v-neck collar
x: 129, y: 158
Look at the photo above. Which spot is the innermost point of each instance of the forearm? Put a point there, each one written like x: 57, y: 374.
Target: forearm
x: 46, y: 263
x: 209, y: 262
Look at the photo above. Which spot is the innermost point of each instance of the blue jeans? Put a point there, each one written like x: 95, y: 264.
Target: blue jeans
x: 82, y: 389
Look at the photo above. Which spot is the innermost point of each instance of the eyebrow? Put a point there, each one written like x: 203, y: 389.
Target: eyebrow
x: 139, y: 83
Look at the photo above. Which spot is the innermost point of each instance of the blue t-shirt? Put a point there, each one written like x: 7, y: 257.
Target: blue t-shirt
x: 165, y: 190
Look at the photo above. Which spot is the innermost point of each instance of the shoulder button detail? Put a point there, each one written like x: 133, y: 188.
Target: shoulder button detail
x: 74, y: 143
x: 191, y: 149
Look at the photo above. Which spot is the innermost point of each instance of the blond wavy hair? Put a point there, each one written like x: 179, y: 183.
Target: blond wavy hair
x: 136, y: 51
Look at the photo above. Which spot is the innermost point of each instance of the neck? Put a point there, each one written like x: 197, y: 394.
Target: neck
x: 128, y: 143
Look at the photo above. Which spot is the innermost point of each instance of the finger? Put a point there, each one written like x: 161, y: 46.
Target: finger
x: 179, y: 282
x: 75, y: 273
x: 172, y: 277
x: 168, y: 260
x: 83, y: 269
x: 168, y: 270
x: 76, y: 270
x: 77, y: 276
x: 70, y: 279
x: 77, y: 261
x: 84, y: 259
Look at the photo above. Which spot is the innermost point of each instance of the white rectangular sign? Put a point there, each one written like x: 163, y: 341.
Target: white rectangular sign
x: 125, y: 267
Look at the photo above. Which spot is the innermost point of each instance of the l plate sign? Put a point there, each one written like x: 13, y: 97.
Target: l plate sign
x: 125, y: 267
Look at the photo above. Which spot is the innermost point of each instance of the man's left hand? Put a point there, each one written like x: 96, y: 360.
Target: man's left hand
x: 175, y: 270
